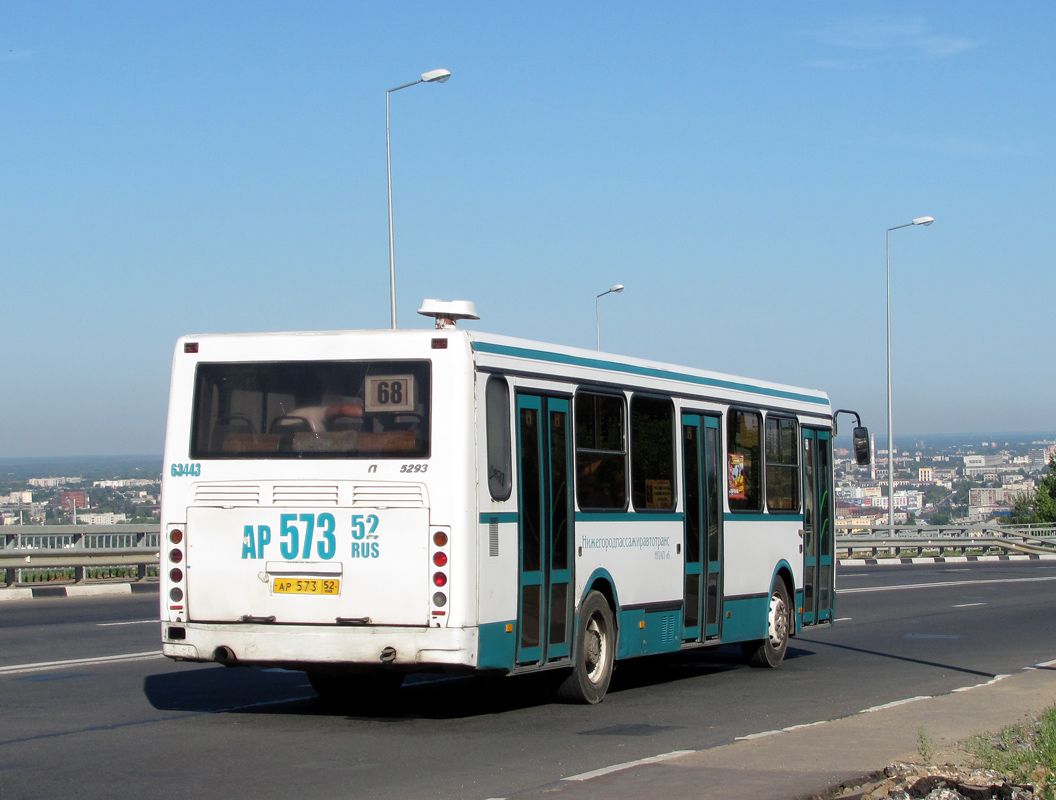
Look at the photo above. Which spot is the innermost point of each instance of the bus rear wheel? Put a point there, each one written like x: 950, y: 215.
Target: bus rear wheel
x: 595, y: 653
x: 770, y: 652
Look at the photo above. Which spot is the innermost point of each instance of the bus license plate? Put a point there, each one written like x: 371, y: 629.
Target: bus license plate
x: 306, y: 586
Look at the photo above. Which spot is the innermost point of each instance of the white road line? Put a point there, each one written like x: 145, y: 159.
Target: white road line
x: 990, y: 682
x: 843, y: 619
x: 895, y: 703
x: 264, y: 703
x: 43, y: 666
x: 1044, y: 665
x: 597, y: 773
x: 764, y: 734
x: 133, y: 622
x: 967, y: 605
x: 942, y: 584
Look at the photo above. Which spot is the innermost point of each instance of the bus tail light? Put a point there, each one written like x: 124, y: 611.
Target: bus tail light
x: 176, y: 574
x: 440, y: 558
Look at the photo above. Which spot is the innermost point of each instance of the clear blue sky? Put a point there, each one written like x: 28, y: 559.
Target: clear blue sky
x: 191, y: 167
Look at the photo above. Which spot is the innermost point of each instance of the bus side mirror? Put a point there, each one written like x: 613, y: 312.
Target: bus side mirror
x: 861, y: 446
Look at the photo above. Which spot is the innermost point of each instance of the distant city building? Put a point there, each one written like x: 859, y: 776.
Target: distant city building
x: 101, y: 519
x: 69, y: 499
x: 910, y: 502
x: 1039, y: 457
x: 125, y: 484
x: 51, y: 483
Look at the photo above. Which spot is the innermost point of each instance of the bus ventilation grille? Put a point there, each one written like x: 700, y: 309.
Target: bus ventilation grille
x: 667, y: 628
x: 392, y: 496
x: 216, y: 494
x: 304, y: 495
x: 493, y: 537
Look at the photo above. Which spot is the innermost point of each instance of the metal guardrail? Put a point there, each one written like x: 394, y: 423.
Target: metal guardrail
x: 979, y: 539
x: 32, y: 548
x: 81, y: 548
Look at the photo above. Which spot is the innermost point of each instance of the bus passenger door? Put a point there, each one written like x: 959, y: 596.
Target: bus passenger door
x: 702, y: 527
x: 818, y: 521
x: 544, y: 612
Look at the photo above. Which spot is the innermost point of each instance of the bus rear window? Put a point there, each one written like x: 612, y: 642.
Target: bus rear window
x: 311, y: 409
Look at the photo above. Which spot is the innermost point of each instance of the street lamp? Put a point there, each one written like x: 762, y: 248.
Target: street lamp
x: 597, y: 308
x: 433, y: 76
x: 890, y: 432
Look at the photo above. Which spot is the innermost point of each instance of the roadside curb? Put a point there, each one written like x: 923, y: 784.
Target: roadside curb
x: 94, y: 590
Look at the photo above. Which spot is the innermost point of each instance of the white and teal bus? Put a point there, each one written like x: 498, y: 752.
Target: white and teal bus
x: 366, y: 504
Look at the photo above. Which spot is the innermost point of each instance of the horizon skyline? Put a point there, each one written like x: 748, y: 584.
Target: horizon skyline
x: 995, y: 436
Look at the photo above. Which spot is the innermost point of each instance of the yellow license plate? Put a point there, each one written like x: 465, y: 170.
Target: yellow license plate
x: 306, y: 586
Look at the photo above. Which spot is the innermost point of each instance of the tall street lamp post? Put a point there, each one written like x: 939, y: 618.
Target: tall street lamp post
x: 890, y: 429
x: 434, y: 76
x: 597, y: 308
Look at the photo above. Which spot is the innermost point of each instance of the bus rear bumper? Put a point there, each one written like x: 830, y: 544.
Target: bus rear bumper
x: 310, y: 645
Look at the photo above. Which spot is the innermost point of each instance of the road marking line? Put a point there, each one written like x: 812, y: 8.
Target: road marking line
x: 264, y: 703
x: 133, y: 622
x: 764, y: 734
x: 967, y: 605
x: 843, y: 619
x: 597, y: 773
x: 895, y: 703
x: 940, y: 585
x: 990, y: 682
x: 17, y: 669
x: 1044, y: 665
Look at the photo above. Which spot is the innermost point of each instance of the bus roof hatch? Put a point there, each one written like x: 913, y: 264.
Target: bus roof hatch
x: 447, y: 313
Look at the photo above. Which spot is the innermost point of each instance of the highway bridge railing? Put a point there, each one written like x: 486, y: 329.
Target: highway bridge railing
x: 946, y: 540
x: 32, y: 554
x: 83, y: 553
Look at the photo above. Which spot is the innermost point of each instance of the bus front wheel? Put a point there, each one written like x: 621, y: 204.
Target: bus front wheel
x: 770, y: 652
x: 595, y: 653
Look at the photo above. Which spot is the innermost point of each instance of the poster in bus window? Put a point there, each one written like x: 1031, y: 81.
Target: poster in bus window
x: 658, y: 494
x: 736, y: 485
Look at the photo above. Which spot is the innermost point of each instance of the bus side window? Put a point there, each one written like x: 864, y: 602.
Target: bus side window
x: 652, y: 454
x: 601, y: 452
x: 497, y: 422
x: 782, y: 464
x: 744, y: 475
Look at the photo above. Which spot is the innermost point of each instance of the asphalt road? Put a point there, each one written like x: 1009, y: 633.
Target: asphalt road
x: 146, y: 725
